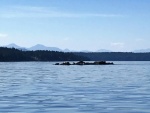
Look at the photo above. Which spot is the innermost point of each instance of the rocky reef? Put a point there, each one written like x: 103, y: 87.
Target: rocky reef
x: 86, y: 63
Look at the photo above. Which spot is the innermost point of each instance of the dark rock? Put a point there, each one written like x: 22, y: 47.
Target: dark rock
x: 65, y: 63
x: 57, y: 64
x: 80, y: 63
x: 87, y: 63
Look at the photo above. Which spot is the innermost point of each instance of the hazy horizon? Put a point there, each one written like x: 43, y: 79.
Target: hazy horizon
x: 45, y: 47
x: 92, y: 25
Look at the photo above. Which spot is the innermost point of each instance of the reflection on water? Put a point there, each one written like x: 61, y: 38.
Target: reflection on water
x: 40, y: 87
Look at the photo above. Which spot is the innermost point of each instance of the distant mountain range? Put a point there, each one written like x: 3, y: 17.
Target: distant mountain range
x: 142, y: 51
x: 33, y: 48
x: 12, y: 45
x: 103, y: 50
x: 100, y: 50
x: 42, y: 47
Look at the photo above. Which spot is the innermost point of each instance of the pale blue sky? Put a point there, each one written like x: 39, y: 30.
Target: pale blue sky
x: 117, y: 25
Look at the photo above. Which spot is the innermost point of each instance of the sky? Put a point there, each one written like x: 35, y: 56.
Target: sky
x: 116, y: 25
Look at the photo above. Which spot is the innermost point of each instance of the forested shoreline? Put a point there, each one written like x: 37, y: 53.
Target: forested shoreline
x: 115, y: 56
x: 14, y: 55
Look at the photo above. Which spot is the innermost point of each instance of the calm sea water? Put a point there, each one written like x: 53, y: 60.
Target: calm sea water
x: 40, y: 87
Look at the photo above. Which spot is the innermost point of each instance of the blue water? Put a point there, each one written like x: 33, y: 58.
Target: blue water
x: 40, y: 87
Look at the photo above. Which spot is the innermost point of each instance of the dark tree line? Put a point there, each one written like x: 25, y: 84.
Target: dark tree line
x: 116, y: 56
x: 12, y: 54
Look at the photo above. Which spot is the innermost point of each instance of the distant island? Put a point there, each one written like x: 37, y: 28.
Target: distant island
x: 13, y: 55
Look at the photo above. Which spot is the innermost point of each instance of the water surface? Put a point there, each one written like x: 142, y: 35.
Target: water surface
x: 40, y: 87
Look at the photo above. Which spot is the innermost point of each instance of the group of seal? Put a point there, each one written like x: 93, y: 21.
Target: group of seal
x: 86, y: 63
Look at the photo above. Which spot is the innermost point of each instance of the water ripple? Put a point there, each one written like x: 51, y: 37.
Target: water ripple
x: 40, y: 87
